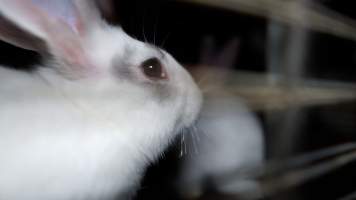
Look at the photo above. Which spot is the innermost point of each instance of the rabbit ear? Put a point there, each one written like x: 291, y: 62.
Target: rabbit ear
x: 17, y: 36
x: 52, y: 26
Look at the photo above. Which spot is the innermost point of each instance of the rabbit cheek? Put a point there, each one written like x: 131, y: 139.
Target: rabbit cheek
x: 122, y: 71
x: 161, y: 92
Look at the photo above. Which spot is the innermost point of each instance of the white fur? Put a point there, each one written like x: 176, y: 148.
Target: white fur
x: 89, y: 138
x: 230, y: 141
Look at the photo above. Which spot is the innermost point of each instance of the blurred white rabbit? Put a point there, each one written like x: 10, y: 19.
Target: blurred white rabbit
x: 87, y: 123
x: 230, y: 141
x: 229, y: 137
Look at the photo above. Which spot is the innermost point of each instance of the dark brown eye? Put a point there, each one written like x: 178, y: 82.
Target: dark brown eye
x: 153, y: 69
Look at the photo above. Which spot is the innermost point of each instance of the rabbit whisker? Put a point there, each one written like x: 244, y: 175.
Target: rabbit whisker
x: 194, y: 142
x: 164, y: 40
x: 182, y: 143
x: 155, y: 30
x: 143, y: 28
x: 196, y: 133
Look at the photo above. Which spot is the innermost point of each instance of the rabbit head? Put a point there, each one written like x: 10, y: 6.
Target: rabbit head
x: 140, y: 93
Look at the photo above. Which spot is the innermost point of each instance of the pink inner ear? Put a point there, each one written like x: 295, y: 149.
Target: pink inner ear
x: 63, y: 10
x: 67, y: 46
x: 57, y: 22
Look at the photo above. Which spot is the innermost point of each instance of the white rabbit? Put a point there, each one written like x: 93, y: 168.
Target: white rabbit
x: 230, y: 142
x: 229, y: 145
x: 86, y: 124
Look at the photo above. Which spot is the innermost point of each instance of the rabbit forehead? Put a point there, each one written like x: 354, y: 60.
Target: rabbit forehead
x: 103, y: 43
x: 108, y: 43
x: 120, y: 56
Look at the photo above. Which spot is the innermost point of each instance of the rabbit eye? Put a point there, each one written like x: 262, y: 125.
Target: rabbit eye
x: 153, y: 69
